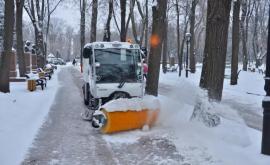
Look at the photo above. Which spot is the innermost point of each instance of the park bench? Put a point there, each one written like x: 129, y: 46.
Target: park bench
x: 172, y: 69
x: 44, y: 74
x: 42, y: 82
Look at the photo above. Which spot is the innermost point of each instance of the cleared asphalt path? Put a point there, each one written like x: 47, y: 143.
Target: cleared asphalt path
x: 66, y: 139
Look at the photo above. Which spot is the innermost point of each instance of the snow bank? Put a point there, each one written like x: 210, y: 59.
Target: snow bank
x: 231, y: 142
x: 133, y: 104
x: 21, y: 115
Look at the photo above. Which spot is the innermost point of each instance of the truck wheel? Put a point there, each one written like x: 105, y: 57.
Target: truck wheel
x: 86, y: 94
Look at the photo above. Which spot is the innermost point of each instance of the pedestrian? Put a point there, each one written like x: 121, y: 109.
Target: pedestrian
x: 145, y: 69
x: 74, y: 62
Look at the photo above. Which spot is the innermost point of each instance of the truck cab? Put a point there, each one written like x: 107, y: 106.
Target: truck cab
x: 111, y: 70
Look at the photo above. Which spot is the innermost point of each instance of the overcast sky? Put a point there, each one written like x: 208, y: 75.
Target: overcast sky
x: 70, y: 14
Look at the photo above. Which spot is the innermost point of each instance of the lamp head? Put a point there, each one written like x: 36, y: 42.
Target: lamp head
x: 188, y: 37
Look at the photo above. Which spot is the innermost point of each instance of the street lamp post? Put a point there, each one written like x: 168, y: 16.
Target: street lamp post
x: 266, y: 102
x: 188, y: 36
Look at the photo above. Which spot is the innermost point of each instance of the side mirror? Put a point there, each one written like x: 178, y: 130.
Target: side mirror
x: 97, y: 64
x: 87, y: 52
x: 144, y: 52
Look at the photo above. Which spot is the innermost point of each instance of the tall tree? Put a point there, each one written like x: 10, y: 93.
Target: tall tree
x: 235, y: 41
x: 49, y: 13
x: 247, y: 9
x: 146, y: 24
x: 82, y: 25
x: 178, y: 36
x: 159, y: 9
x: 93, y: 33
x: 19, y: 34
x: 255, y: 42
x: 107, y: 30
x: 133, y: 22
x: 186, y: 7
x: 218, y: 13
x: 192, y: 40
x: 123, y: 32
x: 165, y: 47
x: 8, y: 41
x: 36, y: 12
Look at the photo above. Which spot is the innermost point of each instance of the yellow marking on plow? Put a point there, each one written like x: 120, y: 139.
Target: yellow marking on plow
x: 128, y: 120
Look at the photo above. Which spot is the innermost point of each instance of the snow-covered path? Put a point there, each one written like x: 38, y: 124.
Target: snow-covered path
x: 66, y: 139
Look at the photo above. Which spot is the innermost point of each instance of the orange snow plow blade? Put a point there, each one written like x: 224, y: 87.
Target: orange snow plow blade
x: 128, y: 120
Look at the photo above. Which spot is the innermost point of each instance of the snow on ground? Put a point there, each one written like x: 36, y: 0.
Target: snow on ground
x: 232, y: 142
x: 21, y: 115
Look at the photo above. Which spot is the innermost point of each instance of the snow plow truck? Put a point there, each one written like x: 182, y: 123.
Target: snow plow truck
x: 113, y: 87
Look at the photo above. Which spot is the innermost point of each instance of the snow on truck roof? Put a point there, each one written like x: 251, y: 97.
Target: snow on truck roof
x: 114, y: 44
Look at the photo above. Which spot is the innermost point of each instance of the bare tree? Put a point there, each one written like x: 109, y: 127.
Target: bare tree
x: 49, y: 13
x: 247, y: 8
x: 133, y: 23
x: 146, y: 24
x: 82, y: 26
x: 159, y: 16
x: 8, y: 41
x: 93, y: 33
x: 186, y: 8
x: 165, y: 47
x: 36, y: 12
x: 123, y: 33
x: 107, y: 30
x: 19, y: 34
x: 192, y: 40
x: 178, y: 36
x: 218, y: 13
x: 235, y: 42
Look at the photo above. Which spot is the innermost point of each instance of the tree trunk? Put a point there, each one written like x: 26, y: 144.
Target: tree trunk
x: 40, y: 49
x: 8, y: 41
x: 123, y: 20
x: 165, y: 48
x: 192, y: 40
x: 255, y: 45
x: 107, y: 31
x: 159, y: 16
x: 183, y: 40
x: 215, y: 50
x: 82, y: 28
x: 146, y: 25
x: 178, y: 37
x: 93, y: 32
x: 235, y: 42
x: 182, y: 48
x: 244, y: 26
x: 133, y: 23
x: 19, y: 34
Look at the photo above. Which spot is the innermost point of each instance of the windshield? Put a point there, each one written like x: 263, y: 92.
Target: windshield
x: 117, y: 65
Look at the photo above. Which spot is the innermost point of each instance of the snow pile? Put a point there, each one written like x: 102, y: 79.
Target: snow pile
x: 21, y: 115
x: 230, y: 142
x: 133, y: 104
x: 32, y: 76
x: 204, y: 112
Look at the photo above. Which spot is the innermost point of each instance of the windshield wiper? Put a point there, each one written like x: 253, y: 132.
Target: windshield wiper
x: 122, y: 82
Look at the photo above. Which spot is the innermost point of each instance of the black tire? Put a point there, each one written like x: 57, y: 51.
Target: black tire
x: 86, y: 94
x: 118, y: 95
